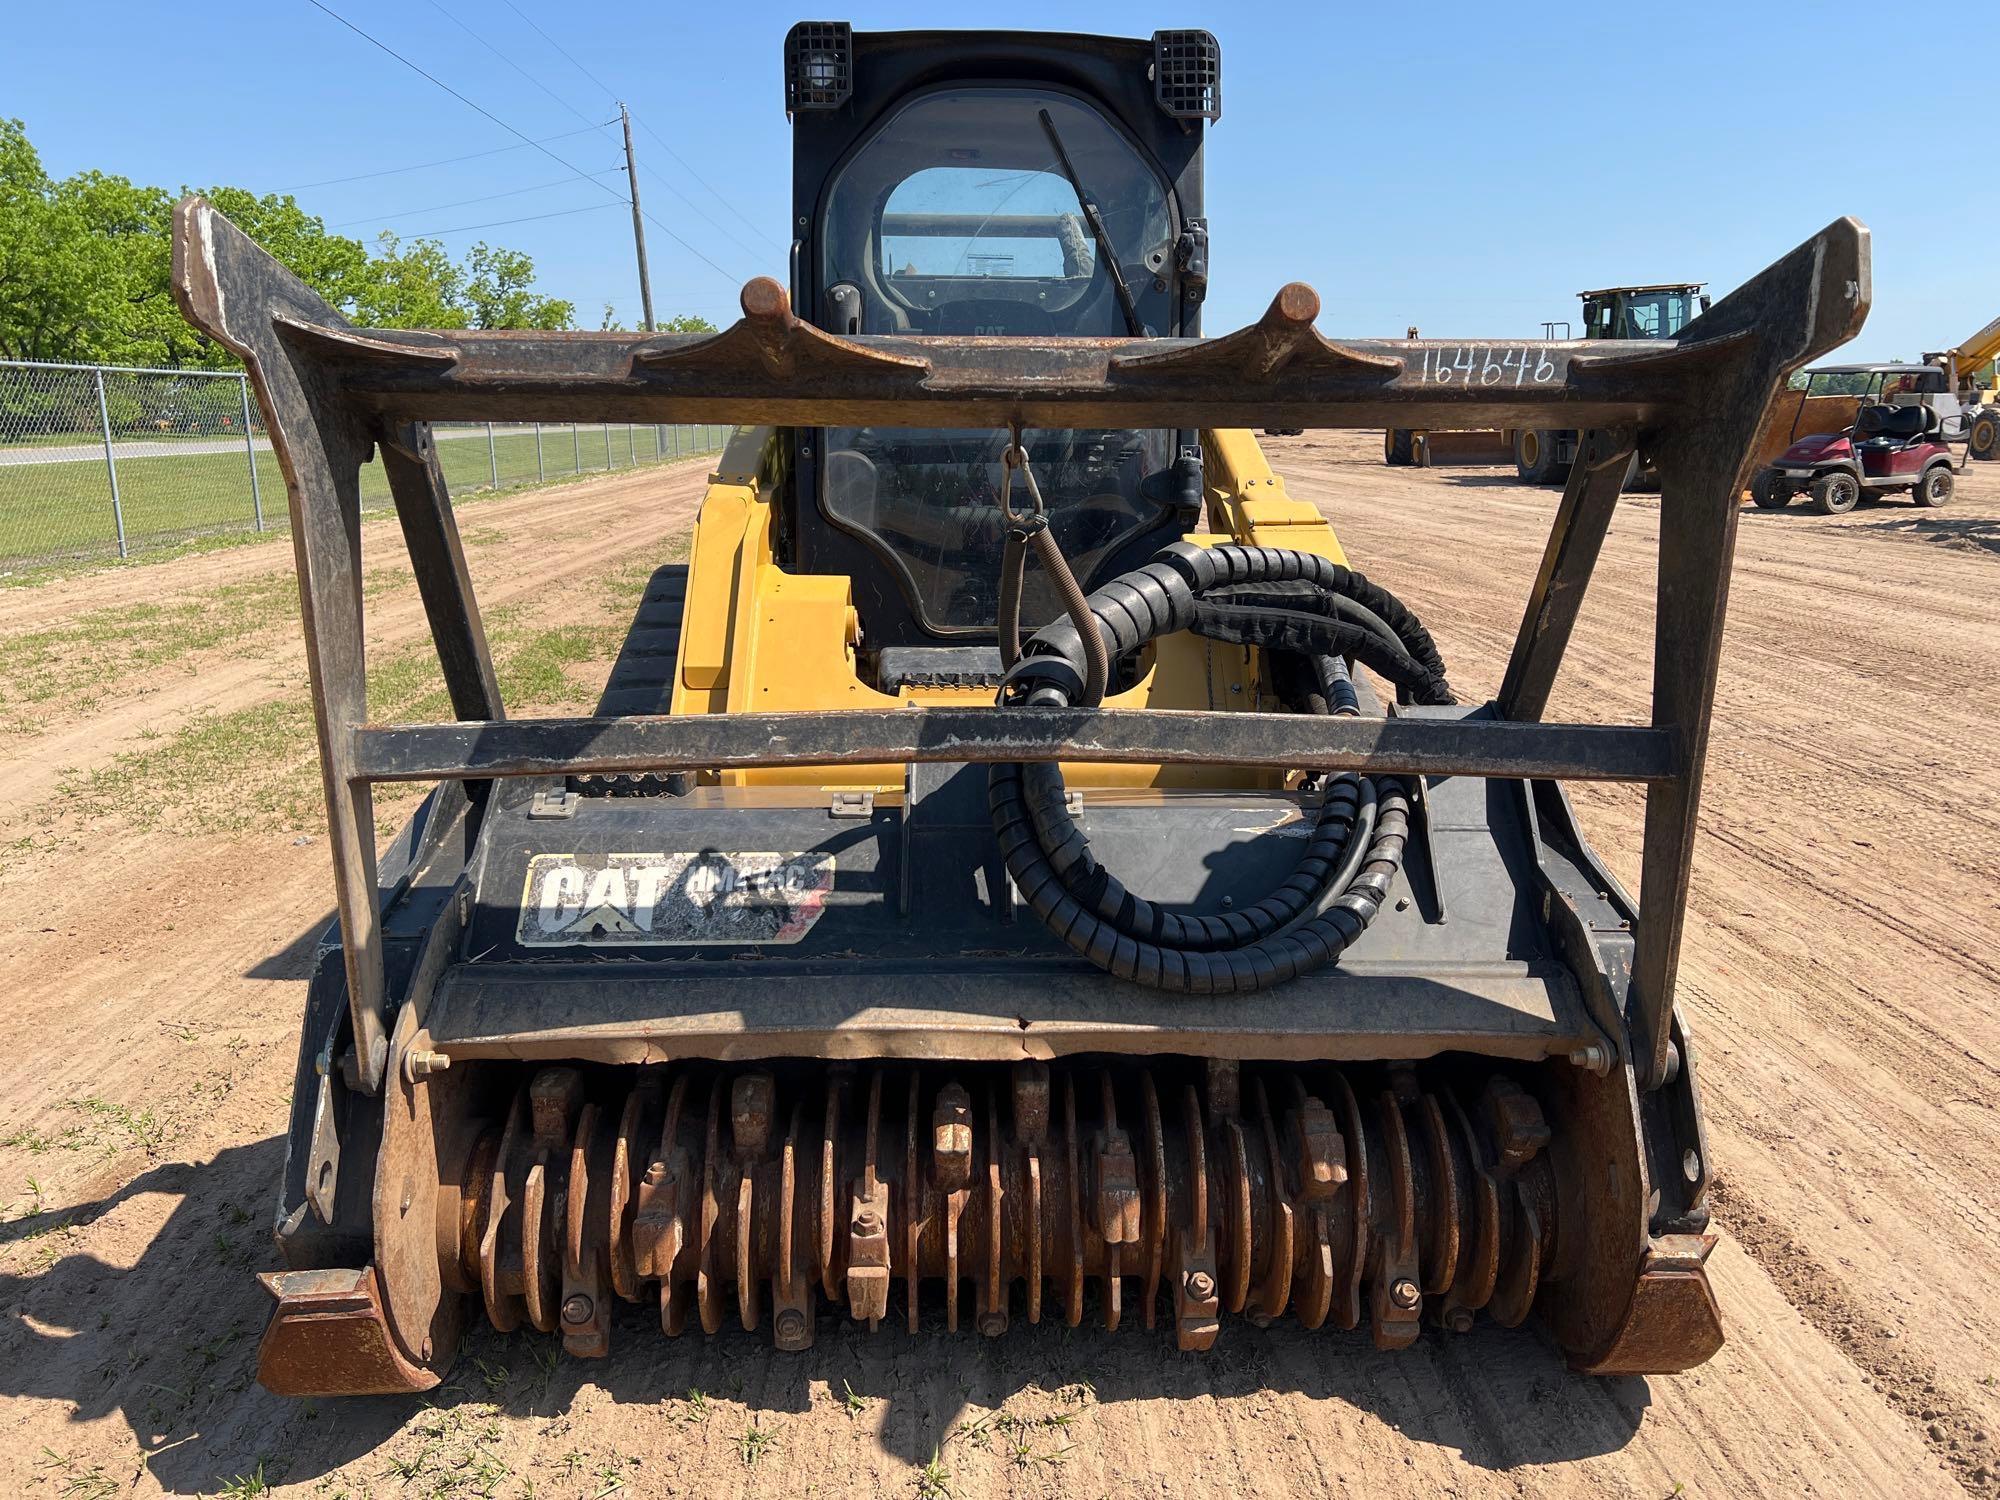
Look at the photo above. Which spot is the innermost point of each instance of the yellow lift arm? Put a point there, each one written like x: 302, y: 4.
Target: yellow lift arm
x: 1972, y: 365
x: 1974, y: 371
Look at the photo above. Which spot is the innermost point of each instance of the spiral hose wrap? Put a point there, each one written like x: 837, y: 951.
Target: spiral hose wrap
x: 1301, y: 609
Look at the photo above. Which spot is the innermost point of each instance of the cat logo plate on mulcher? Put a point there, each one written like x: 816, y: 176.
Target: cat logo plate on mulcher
x: 634, y: 900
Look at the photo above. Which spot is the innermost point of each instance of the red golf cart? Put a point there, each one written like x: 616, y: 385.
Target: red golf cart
x: 1900, y: 440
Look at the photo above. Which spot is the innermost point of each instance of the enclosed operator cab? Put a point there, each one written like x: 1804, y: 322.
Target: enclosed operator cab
x: 1641, y: 312
x: 1037, y: 186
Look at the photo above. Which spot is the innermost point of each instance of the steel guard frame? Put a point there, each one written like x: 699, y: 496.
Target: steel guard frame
x: 333, y: 393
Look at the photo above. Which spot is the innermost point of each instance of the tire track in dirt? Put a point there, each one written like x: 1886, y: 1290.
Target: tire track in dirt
x: 1956, y: 1433
x: 1840, y: 994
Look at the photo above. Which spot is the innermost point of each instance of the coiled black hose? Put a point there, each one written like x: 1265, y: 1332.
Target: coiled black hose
x: 1295, y: 605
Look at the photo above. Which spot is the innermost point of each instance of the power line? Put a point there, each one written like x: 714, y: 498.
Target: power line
x: 649, y: 170
x: 477, y: 37
x: 448, y: 161
x: 610, y: 92
x: 561, y: 213
x: 574, y: 170
x: 407, y: 213
x: 733, y: 309
x: 696, y: 208
x: 667, y: 230
x: 658, y: 139
x: 704, y: 182
x: 433, y: 78
x: 631, y: 163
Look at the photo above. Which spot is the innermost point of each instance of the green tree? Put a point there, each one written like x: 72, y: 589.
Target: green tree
x: 498, y: 292
x: 86, y: 269
x: 63, y: 285
x: 411, y: 286
x: 680, y: 323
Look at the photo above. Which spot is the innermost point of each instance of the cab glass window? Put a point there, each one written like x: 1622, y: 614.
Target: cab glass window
x: 958, y: 217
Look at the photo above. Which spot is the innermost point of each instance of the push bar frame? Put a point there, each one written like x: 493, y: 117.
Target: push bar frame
x: 332, y: 393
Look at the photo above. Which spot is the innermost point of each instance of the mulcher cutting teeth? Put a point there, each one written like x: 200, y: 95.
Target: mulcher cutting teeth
x: 1334, y: 1194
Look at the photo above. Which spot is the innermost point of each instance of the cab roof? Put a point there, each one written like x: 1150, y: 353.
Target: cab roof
x: 1870, y: 369
x: 1665, y: 286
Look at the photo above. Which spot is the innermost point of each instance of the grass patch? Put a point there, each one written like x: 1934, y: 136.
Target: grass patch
x: 753, y: 1443
x: 247, y: 1486
x: 1026, y: 1442
x: 53, y: 511
x: 934, y: 1479
x: 534, y: 668
x: 50, y: 510
x: 34, y: 574
x: 121, y: 1125
x: 105, y: 1128
x: 256, y: 766
x: 253, y: 766
x: 215, y: 770
x: 76, y: 1481
x: 76, y: 663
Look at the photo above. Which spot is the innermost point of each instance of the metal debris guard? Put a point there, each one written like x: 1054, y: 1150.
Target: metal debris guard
x: 332, y: 393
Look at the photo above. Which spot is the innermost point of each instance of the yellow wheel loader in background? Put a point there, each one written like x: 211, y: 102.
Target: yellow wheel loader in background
x: 1019, y: 870
x: 1972, y: 372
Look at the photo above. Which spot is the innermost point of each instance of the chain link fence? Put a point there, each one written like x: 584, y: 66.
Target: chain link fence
x: 101, y: 461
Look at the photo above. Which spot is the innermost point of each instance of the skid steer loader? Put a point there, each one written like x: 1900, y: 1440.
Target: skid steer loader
x: 1018, y: 869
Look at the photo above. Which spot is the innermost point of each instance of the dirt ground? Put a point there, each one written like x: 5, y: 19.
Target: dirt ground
x: 162, y: 876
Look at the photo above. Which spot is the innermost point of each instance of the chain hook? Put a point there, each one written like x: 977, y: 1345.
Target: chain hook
x: 1015, y: 456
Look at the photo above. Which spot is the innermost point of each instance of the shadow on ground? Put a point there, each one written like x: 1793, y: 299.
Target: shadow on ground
x: 1489, y: 481
x: 1962, y: 533
x: 168, y: 1343
x: 295, y: 959
x: 1909, y: 519
x: 1501, y: 1398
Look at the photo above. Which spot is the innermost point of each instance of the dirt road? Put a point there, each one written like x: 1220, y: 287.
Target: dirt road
x: 164, y: 876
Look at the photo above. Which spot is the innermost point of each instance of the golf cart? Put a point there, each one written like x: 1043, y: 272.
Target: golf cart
x: 1905, y: 420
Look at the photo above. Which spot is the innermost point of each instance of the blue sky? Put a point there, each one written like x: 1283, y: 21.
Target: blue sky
x: 1467, y: 168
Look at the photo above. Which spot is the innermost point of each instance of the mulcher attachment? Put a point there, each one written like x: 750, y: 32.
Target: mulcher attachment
x: 1334, y: 1194
x: 1571, y: 1158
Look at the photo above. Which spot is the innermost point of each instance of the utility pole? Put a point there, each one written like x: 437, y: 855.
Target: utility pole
x: 638, y: 219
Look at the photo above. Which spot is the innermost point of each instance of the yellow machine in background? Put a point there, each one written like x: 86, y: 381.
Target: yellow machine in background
x: 1974, y: 369
x: 1544, y: 456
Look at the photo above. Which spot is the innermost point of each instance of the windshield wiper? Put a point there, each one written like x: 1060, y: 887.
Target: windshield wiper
x: 1105, y: 251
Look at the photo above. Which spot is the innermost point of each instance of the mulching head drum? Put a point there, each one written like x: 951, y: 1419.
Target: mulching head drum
x: 1336, y: 1194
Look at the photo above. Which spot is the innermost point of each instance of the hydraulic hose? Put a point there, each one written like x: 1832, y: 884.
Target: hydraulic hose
x: 1336, y: 685
x: 1030, y: 529
x: 1295, y: 605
